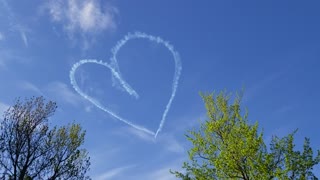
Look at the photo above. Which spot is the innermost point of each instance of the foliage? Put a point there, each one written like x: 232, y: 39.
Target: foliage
x: 30, y: 150
x: 228, y: 147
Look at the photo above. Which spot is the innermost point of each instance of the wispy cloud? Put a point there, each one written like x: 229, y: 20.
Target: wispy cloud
x: 280, y: 132
x: 285, y: 108
x: 65, y: 93
x: 86, y: 16
x: 15, y: 24
x: 24, y: 37
x: 112, y: 173
x: 8, y: 56
x: 88, y: 108
x: 172, y: 144
x: 1, y: 36
x: 167, y: 140
x: 161, y: 174
x: 100, y: 154
x: 25, y: 85
x: 3, y: 107
x: 61, y: 91
x: 258, y: 87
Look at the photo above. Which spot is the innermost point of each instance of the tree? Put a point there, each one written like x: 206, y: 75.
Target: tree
x: 227, y: 147
x: 31, y: 150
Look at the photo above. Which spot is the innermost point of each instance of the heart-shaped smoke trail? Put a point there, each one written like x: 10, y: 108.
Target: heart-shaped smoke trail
x: 114, y: 68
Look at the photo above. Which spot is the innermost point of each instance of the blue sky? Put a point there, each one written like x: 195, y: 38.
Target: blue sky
x: 271, y: 48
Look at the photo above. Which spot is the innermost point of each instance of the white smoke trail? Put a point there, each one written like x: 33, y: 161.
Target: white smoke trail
x: 97, y: 104
x: 114, y: 68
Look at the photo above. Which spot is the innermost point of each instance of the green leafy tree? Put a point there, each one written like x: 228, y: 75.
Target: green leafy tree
x: 31, y: 150
x: 227, y: 147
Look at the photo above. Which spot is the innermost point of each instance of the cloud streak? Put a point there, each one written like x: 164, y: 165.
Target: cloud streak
x: 24, y: 37
x: 113, y: 67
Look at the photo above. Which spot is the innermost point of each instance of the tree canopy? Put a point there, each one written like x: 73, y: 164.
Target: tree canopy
x: 227, y: 146
x: 31, y: 150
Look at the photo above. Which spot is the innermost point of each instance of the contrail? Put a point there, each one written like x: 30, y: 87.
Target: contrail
x: 114, y: 68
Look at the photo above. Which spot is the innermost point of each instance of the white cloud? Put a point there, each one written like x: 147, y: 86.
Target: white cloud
x: 88, y: 108
x: 168, y: 141
x: 172, y: 144
x: 163, y: 173
x: 30, y: 87
x: 63, y: 92
x: 100, y: 154
x: 112, y: 173
x: 8, y: 56
x: 15, y: 24
x: 87, y: 16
